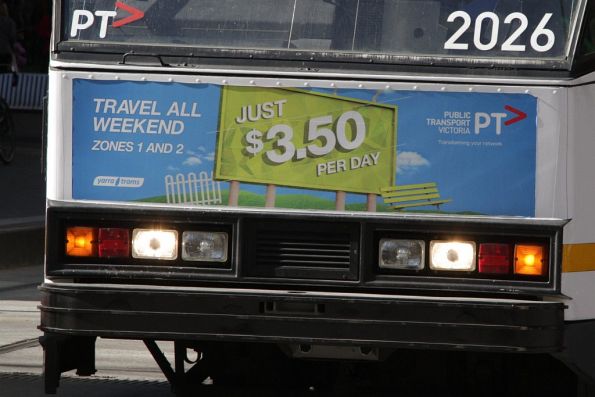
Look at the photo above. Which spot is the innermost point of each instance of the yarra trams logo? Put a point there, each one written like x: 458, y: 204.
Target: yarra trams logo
x: 84, y: 19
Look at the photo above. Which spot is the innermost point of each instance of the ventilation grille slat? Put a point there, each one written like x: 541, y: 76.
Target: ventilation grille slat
x: 289, y: 249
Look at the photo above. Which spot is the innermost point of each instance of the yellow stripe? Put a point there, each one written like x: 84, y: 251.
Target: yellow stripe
x: 578, y: 257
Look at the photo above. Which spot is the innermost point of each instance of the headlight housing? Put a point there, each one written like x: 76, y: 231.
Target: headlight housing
x: 452, y: 255
x: 401, y: 254
x: 204, y: 246
x: 154, y: 244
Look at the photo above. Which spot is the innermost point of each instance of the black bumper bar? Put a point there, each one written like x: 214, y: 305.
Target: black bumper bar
x: 162, y: 313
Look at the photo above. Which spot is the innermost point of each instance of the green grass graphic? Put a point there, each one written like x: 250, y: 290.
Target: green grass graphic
x: 308, y: 202
x: 294, y: 201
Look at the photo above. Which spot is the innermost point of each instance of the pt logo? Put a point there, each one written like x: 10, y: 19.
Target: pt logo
x: 485, y: 120
x: 83, y: 19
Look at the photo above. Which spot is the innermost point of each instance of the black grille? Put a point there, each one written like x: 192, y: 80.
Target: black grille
x: 309, y: 250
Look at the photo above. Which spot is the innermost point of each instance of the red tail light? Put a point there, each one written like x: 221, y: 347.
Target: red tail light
x: 113, y: 243
x: 495, y: 258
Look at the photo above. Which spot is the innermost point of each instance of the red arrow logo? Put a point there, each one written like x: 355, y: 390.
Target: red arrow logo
x: 520, y: 115
x: 135, y: 15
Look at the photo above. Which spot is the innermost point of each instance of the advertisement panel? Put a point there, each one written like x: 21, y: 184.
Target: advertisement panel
x: 184, y: 143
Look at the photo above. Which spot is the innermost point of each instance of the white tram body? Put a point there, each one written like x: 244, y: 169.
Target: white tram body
x: 298, y: 142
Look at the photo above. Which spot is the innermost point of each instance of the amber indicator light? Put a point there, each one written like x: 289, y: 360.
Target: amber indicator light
x: 529, y: 260
x: 80, y: 241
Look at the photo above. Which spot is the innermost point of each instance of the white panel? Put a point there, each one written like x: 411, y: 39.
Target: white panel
x: 581, y: 165
x: 550, y: 189
x: 580, y: 287
x: 56, y: 120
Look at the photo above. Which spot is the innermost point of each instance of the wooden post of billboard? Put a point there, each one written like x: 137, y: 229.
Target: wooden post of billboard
x: 371, y: 203
x: 234, y: 193
x: 269, y: 198
x: 340, y: 201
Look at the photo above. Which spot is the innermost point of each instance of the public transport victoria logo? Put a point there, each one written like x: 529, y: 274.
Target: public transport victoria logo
x: 84, y: 19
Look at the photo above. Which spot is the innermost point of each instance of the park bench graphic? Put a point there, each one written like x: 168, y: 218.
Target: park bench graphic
x: 408, y: 196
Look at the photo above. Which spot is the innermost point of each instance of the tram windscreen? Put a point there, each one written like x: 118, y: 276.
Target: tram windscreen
x: 529, y: 29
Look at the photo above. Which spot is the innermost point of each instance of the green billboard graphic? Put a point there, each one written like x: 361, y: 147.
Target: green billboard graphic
x: 304, y: 139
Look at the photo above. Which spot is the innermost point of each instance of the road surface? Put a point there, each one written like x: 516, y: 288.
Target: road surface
x: 125, y: 368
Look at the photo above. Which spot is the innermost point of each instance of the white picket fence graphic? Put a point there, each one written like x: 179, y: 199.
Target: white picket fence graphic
x: 190, y: 189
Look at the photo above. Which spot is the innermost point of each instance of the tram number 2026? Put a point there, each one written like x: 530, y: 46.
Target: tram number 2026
x: 542, y: 39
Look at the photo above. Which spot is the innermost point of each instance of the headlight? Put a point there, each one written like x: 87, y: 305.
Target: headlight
x: 452, y: 255
x: 401, y: 254
x: 204, y: 246
x: 155, y: 244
